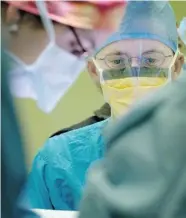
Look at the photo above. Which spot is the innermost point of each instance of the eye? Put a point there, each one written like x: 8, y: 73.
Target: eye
x: 150, y: 61
x: 116, y: 61
x: 153, y: 59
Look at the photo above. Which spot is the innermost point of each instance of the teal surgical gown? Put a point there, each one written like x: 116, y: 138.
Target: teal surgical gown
x: 59, y: 170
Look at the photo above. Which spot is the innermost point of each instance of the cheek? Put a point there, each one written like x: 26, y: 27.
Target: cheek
x: 167, y: 63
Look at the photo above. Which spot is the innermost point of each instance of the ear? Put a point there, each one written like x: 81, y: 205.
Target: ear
x: 179, y: 63
x: 93, y: 71
x: 91, y: 68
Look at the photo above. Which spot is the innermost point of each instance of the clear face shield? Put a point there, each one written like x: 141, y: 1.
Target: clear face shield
x: 125, y: 79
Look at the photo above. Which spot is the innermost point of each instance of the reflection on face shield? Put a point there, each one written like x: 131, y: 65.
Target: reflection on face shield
x: 137, y: 72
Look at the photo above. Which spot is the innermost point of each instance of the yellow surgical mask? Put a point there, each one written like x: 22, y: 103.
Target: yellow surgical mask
x: 121, y: 94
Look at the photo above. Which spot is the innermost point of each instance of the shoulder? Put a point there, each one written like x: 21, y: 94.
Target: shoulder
x: 77, y: 145
x: 87, y: 122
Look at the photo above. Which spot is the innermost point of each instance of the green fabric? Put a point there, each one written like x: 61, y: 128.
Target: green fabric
x: 13, y: 172
x: 144, y: 172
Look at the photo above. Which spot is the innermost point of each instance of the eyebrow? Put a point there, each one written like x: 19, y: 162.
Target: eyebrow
x: 111, y: 53
x: 157, y: 51
x: 148, y: 51
x: 152, y: 50
x: 117, y: 52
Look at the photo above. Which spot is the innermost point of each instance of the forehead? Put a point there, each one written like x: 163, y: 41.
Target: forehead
x: 134, y: 47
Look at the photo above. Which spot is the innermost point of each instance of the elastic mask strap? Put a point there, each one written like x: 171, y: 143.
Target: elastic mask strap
x: 84, y: 51
x: 41, y: 5
x: 77, y: 38
x: 171, y: 65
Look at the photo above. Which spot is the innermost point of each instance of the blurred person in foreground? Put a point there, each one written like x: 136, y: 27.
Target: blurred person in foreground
x: 135, y: 61
x: 13, y: 172
x: 143, y: 173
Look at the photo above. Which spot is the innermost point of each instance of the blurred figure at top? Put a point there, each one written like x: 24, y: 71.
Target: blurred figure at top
x: 141, y: 57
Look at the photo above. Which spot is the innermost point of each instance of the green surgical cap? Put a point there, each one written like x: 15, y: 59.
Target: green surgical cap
x: 147, y: 20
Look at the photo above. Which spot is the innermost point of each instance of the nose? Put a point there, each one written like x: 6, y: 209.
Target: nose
x: 135, y: 71
x: 134, y: 62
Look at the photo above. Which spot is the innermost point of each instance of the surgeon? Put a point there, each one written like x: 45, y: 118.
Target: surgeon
x: 143, y: 172
x: 142, y: 54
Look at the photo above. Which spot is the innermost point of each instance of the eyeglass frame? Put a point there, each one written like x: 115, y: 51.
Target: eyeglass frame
x: 130, y: 58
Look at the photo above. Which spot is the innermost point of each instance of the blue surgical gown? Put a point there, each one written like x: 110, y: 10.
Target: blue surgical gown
x: 59, y: 170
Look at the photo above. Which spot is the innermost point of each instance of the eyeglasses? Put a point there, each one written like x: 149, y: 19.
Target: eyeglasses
x: 148, y: 59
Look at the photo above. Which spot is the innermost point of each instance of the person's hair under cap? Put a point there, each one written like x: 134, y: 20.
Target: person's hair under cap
x: 147, y: 20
